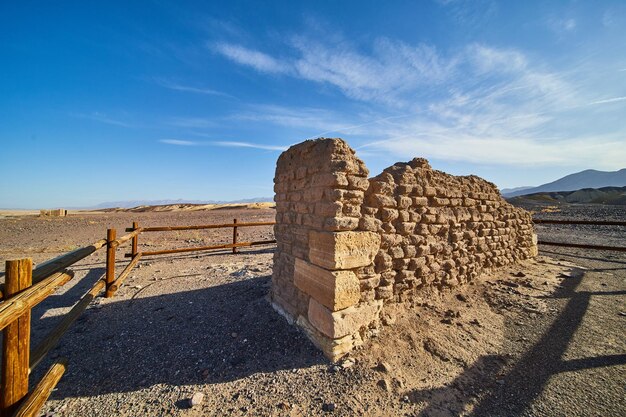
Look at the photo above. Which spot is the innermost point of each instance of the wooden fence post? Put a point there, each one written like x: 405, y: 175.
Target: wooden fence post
x: 110, y: 273
x: 135, y: 240
x: 16, y: 340
x: 234, y: 236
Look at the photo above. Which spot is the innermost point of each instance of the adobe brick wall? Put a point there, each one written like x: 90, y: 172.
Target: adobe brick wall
x: 53, y: 213
x: 347, y: 245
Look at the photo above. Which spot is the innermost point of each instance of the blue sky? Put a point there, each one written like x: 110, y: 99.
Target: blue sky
x: 103, y: 101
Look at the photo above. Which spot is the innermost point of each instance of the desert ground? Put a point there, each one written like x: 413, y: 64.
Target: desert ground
x: 543, y: 338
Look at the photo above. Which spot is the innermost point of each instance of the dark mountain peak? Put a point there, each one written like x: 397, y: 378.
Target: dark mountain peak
x: 589, y: 178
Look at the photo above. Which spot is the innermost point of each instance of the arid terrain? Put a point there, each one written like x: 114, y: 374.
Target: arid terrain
x: 544, y: 338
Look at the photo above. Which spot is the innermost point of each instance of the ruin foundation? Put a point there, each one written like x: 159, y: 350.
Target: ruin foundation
x: 348, y: 245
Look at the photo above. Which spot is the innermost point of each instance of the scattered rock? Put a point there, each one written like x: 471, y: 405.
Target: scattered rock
x: 283, y: 405
x: 475, y: 322
x: 461, y: 297
x: 383, y: 367
x: 196, y: 399
x: 348, y: 363
x: 233, y: 335
x: 329, y: 407
x: 622, y: 313
x: 519, y: 274
x: 384, y: 384
x: 452, y: 314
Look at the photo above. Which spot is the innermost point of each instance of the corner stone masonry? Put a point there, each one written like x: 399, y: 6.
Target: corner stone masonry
x: 347, y: 245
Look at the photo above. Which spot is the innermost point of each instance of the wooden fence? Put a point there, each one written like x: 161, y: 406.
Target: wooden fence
x: 26, y: 287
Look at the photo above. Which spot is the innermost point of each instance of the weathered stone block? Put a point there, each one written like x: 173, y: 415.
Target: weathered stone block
x: 337, y: 324
x: 334, y: 289
x: 333, y: 349
x: 343, y: 250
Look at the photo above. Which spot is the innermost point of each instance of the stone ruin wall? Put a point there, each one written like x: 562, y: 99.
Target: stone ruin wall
x: 347, y: 245
x: 53, y: 213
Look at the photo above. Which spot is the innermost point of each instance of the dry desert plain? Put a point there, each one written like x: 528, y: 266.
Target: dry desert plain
x: 543, y: 338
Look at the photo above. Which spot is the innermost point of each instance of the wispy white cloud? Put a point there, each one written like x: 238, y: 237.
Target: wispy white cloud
x: 562, y: 25
x: 255, y: 59
x: 234, y: 144
x: 609, y: 100
x: 230, y: 144
x: 179, y: 142
x: 179, y: 87
x: 301, y: 117
x: 484, y: 59
x: 394, y: 73
x: 614, y: 17
x: 353, y: 128
x: 102, y: 118
x: 452, y: 145
x: 393, y: 69
x: 480, y: 104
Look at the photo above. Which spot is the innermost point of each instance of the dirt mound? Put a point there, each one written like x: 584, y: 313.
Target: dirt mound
x: 445, y: 351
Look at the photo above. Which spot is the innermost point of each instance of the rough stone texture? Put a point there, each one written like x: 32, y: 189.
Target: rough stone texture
x: 337, y: 324
x: 343, y: 250
x: 334, y: 289
x: 346, y: 245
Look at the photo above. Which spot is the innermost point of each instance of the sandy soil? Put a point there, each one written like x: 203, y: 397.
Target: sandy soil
x: 544, y: 338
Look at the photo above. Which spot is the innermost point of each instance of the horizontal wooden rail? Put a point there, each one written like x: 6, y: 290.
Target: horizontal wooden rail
x: 55, y: 335
x: 120, y: 241
x: 206, y: 226
x: 13, y: 307
x: 590, y: 222
x: 59, y: 263
x: 582, y: 246
x: 55, y: 265
x: 203, y: 248
x: 38, y: 396
x: 124, y: 274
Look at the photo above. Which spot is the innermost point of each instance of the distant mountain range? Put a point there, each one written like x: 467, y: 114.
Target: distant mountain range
x: 507, y: 191
x: 604, y: 195
x: 137, y: 203
x: 589, y: 178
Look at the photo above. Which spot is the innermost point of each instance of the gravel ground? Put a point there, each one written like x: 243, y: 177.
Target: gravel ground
x: 544, y: 338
